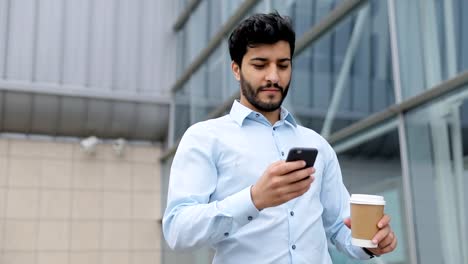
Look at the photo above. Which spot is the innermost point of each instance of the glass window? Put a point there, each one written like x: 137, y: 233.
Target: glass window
x: 432, y: 36
x: 373, y: 167
x: 305, y: 13
x: 181, y: 112
x: 346, y: 72
x: 215, y: 17
x: 197, y: 31
x: 436, y: 152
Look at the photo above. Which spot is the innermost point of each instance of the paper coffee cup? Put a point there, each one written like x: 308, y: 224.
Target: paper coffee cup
x: 366, y: 212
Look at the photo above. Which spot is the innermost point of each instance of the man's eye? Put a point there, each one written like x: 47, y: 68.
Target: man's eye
x: 283, y: 66
x: 258, y: 66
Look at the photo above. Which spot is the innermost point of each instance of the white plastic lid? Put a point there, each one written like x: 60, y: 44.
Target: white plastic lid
x: 367, y: 199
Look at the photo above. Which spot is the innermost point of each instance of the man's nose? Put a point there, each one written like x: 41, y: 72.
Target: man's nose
x: 272, y: 75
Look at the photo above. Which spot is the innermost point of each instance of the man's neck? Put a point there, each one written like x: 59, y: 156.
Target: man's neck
x: 272, y: 117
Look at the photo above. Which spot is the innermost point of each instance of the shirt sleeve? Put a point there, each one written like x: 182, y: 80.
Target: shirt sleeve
x: 190, y: 219
x: 335, y: 200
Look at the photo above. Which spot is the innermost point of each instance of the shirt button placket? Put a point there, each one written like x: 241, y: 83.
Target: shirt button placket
x: 291, y: 221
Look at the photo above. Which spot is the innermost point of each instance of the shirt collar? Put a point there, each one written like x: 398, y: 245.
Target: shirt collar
x: 240, y: 112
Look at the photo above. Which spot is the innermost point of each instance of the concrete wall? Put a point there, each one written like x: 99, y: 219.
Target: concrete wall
x: 59, y: 205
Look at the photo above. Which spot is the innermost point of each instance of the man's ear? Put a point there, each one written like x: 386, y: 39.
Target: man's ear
x: 235, y: 70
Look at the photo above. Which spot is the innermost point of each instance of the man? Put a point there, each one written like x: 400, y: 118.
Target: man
x: 230, y: 187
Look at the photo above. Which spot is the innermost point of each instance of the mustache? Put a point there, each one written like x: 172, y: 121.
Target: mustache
x: 270, y: 85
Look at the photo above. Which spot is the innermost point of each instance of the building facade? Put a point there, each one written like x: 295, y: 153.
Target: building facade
x: 95, y: 95
x: 384, y: 81
x: 83, y: 120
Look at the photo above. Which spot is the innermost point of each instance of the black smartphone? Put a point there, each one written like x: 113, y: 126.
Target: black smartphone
x: 306, y: 154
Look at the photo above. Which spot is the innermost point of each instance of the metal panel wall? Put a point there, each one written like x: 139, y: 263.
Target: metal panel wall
x: 64, y: 65
x: 103, y: 44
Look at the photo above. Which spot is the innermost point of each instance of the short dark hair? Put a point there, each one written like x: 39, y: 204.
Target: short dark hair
x: 260, y: 29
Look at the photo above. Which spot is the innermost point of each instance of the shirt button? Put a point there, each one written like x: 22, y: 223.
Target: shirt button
x: 249, y: 218
x: 274, y: 128
x: 226, y: 234
x: 293, y: 247
x: 257, y: 115
x: 292, y: 213
x: 282, y: 153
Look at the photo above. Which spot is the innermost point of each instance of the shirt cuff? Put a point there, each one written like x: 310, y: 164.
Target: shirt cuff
x: 368, y: 252
x: 240, y: 207
x: 356, y: 252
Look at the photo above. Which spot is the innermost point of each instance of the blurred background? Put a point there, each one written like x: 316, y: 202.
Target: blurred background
x: 96, y: 94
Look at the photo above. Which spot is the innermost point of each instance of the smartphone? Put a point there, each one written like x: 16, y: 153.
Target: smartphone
x: 306, y: 154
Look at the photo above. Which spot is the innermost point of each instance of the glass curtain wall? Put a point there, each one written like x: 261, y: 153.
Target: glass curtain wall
x: 346, y: 76
x: 370, y: 163
x: 431, y: 39
x: 437, y: 147
x: 212, y: 83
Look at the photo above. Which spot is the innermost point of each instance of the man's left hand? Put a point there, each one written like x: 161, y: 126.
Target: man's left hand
x: 385, y: 237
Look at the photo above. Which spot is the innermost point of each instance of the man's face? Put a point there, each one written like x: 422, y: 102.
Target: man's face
x: 264, y: 76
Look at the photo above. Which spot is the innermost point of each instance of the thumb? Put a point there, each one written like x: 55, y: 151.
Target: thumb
x: 347, y: 222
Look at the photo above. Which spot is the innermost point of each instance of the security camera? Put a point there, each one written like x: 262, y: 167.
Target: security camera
x: 119, y: 146
x: 89, y: 144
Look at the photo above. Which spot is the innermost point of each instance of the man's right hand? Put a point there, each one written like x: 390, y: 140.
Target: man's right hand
x: 282, y: 181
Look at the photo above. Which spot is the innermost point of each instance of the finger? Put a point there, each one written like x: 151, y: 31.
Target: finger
x: 390, y: 247
x: 276, y: 163
x: 300, y: 183
x: 298, y: 175
x: 384, y: 221
x: 381, y: 234
x: 387, y: 240
x: 287, y: 167
x: 347, y: 222
x: 299, y: 186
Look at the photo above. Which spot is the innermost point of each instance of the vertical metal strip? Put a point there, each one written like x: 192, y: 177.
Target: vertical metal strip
x: 89, y: 47
x: 5, y: 65
x: 139, y: 43
x: 407, y: 191
x: 63, y: 29
x: 344, y: 71
x: 457, y: 153
x: 33, y: 76
x: 60, y: 61
x: 3, y: 75
x: 115, y: 45
x: 171, y: 127
x: 451, y: 47
x: 89, y: 43
x: 35, y: 41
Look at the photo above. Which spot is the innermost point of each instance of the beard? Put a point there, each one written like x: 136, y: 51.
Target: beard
x: 251, y: 95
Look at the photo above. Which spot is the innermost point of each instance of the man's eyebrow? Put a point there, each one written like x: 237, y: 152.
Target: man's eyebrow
x: 283, y: 60
x: 259, y: 59
x: 265, y: 59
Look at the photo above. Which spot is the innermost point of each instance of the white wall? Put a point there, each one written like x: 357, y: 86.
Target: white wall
x: 59, y: 205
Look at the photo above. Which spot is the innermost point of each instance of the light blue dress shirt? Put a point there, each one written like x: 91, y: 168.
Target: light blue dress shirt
x: 209, y: 202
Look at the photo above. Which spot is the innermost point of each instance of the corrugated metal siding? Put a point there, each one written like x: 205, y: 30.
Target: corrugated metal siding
x: 95, y: 46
